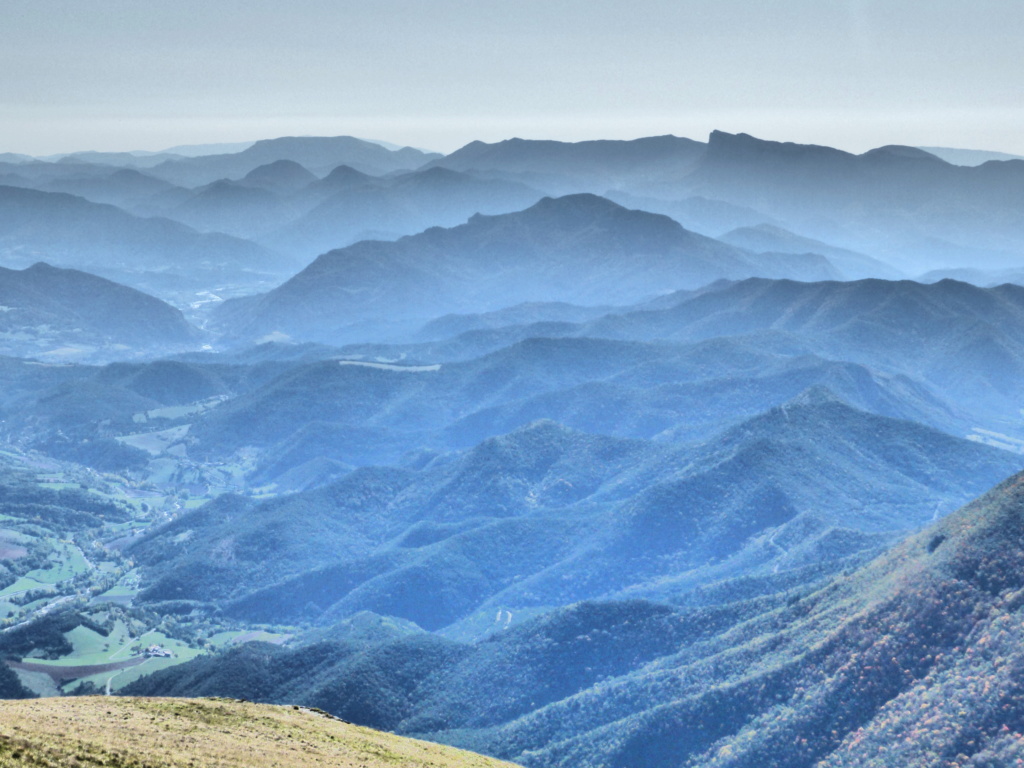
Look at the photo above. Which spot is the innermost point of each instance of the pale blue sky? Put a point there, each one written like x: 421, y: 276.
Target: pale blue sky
x: 146, y: 74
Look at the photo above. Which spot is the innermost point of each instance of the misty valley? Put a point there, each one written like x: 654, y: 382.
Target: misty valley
x: 663, y: 452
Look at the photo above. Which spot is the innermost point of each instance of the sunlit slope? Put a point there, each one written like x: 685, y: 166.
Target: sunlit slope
x: 201, y: 732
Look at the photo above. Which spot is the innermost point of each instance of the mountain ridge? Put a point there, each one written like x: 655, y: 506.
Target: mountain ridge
x: 533, y: 255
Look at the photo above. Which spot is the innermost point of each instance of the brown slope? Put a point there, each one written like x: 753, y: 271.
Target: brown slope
x: 202, y: 732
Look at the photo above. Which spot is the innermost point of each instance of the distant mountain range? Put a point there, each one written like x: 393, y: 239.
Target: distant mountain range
x: 349, y: 208
x: 969, y: 157
x: 318, y: 154
x: 63, y: 314
x: 614, y: 453
x: 538, y: 254
x: 560, y: 167
x: 157, y: 255
x: 903, y: 206
x: 900, y: 204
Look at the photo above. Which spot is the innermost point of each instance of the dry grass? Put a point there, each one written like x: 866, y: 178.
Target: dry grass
x: 201, y: 733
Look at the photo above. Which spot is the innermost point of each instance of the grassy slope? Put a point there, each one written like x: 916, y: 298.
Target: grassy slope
x: 201, y: 732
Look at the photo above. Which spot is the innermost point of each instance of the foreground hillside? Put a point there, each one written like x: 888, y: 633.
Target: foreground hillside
x: 168, y: 732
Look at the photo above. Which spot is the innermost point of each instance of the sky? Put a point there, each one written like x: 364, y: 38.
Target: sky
x: 855, y: 74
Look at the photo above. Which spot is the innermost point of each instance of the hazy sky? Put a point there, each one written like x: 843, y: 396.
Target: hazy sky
x: 147, y: 74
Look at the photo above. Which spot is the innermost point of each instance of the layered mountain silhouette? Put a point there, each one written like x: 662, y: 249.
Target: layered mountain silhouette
x: 126, y: 188
x: 769, y: 238
x: 63, y: 313
x: 898, y: 203
x: 317, y: 154
x: 970, y: 157
x: 901, y: 204
x: 958, y: 338
x: 285, y: 207
x: 572, y: 516
x: 922, y: 641
x: 982, y: 277
x: 587, y: 166
x: 346, y: 207
x: 69, y: 231
x: 579, y: 248
x: 617, y: 480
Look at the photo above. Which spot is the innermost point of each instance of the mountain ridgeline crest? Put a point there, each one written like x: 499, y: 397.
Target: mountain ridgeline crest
x: 492, y: 261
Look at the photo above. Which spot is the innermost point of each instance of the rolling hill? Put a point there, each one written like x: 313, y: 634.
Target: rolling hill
x: 202, y: 733
x: 156, y: 255
x: 64, y: 314
x: 318, y: 154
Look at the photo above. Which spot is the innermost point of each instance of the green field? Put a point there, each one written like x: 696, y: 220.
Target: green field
x: 69, y: 562
x: 52, y: 557
x: 92, y: 649
x: 25, y: 584
x: 155, y: 443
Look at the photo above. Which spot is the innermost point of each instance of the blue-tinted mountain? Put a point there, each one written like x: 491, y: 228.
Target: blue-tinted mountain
x: 900, y: 204
x: 115, y: 159
x: 279, y: 176
x: 64, y: 314
x: 126, y: 188
x: 698, y: 214
x: 317, y: 154
x: 235, y: 208
x: 492, y: 261
x: 528, y: 313
x: 546, y: 516
x: 925, y: 640
x: 986, y: 278
x: 766, y: 237
x: 560, y: 167
x: 970, y: 157
x: 347, y: 206
x: 960, y: 340
x: 145, y: 253
x: 261, y: 201
x: 361, y: 412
